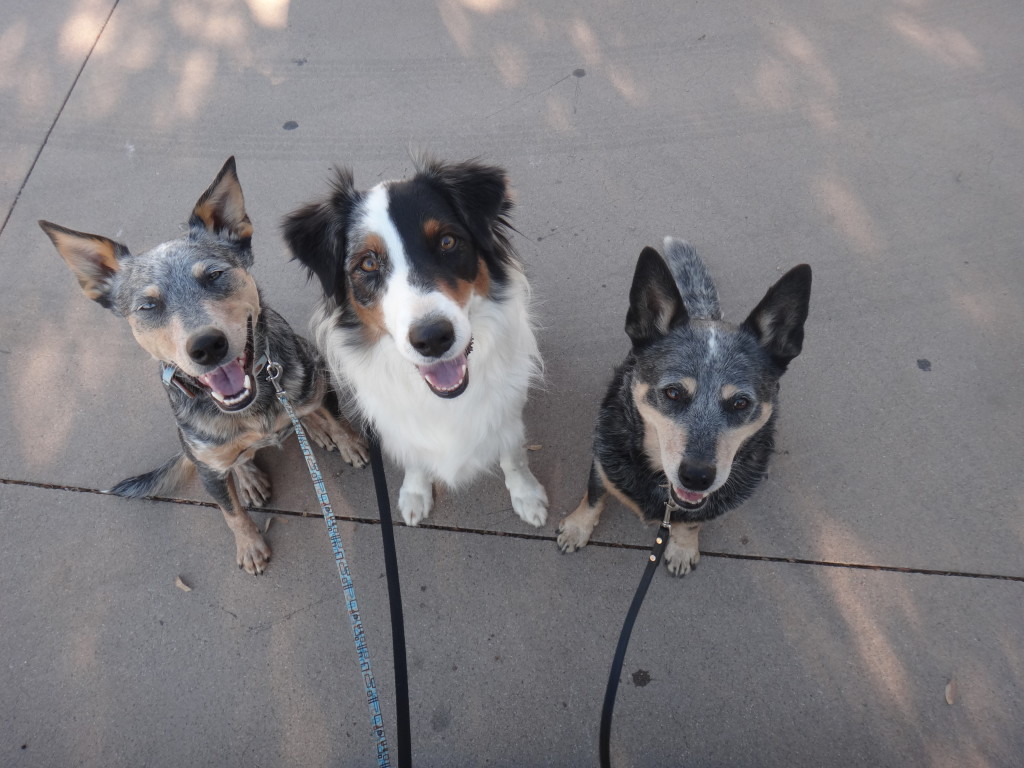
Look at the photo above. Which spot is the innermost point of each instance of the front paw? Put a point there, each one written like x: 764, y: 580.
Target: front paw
x: 531, y: 504
x: 680, y: 559
x: 252, y: 484
x: 252, y: 553
x: 415, y: 502
x: 573, y: 535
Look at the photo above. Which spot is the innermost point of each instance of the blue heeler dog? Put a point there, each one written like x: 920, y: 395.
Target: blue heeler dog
x: 689, y: 417
x: 193, y: 305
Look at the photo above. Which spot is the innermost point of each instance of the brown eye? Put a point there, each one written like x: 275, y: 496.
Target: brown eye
x: 740, y: 403
x: 447, y: 242
x: 672, y: 393
x: 370, y: 262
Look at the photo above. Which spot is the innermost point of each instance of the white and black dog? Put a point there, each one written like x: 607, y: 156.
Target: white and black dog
x: 425, y: 320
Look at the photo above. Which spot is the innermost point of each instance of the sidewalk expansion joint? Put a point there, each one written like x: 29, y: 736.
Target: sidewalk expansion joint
x: 544, y: 537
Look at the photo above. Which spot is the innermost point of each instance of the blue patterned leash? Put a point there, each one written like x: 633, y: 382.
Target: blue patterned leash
x: 274, y: 371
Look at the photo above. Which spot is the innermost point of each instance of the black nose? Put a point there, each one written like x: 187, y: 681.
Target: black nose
x: 432, y: 338
x: 696, y: 477
x: 208, y: 348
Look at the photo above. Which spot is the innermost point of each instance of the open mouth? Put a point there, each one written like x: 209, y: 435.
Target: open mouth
x: 232, y: 385
x: 691, y: 500
x: 449, y: 378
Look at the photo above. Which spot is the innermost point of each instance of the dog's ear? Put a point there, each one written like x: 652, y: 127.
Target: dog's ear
x: 479, y: 194
x: 778, y: 321
x: 221, y: 209
x: 655, y: 306
x: 94, y: 259
x: 317, y: 234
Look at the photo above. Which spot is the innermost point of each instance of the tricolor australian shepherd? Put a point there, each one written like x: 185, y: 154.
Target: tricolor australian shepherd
x: 425, y: 320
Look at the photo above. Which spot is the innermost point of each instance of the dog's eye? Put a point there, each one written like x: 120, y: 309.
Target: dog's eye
x: 740, y: 403
x: 214, y: 274
x: 146, y: 306
x: 370, y: 262
x: 673, y: 393
x: 448, y: 242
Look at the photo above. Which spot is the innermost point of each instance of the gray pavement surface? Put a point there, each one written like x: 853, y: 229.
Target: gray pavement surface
x: 866, y: 607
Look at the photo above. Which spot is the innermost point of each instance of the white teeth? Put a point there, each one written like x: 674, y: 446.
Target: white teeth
x: 247, y: 383
x: 217, y: 396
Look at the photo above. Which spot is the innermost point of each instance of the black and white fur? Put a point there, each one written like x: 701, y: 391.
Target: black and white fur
x: 425, y: 319
x: 689, y: 417
x: 193, y: 305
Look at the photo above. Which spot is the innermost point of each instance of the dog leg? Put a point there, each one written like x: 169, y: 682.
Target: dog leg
x: 252, y: 484
x: 251, y: 551
x: 682, y: 554
x: 416, y: 498
x: 329, y: 432
x: 529, y: 499
x: 574, y: 531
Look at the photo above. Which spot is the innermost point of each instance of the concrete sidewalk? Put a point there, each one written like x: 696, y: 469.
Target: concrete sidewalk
x: 865, y: 608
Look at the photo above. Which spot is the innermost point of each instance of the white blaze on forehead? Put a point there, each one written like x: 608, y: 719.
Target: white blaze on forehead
x: 712, y: 341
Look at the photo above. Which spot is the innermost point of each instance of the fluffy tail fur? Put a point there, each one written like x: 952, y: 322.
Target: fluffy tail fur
x: 160, y: 481
x: 695, y: 286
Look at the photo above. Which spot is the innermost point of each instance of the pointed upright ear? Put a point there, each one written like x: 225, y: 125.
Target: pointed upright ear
x: 778, y: 321
x: 317, y: 234
x: 94, y: 259
x: 479, y: 194
x: 221, y: 209
x: 655, y: 306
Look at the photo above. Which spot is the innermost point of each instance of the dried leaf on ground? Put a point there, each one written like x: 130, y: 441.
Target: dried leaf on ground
x: 951, y: 692
x: 534, y: 447
x: 182, y: 585
x: 266, y: 525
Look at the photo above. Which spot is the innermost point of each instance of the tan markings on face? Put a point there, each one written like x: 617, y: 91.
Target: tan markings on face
x: 689, y: 384
x: 373, y: 242
x: 372, y: 320
x: 231, y: 313
x: 729, y: 391
x: 166, y: 343
x: 662, y: 436
x: 463, y: 290
x: 731, y: 440
x: 431, y: 229
x: 198, y: 270
x: 614, y: 491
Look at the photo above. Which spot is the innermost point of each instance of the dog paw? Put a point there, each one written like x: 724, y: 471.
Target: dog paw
x: 331, y: 434
x: 532, y: 506
x: 252, y: 484
x: 681, y: 559
x: 353, y: 450
x: 415, y: 501
x: 252, y: 553
x: 572, y: 535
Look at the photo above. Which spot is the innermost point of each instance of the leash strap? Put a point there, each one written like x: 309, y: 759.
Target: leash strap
x: 387, y: 532
x: 660, y: 542
x: 274, y: 372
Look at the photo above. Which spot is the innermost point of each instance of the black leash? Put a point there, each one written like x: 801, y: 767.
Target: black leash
x: 387, y: 532
x: 660, y: 542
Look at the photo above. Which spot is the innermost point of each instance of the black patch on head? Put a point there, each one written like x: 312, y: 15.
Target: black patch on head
x: 317, y: 234
x: 425, y: 219
x: 478, y: 195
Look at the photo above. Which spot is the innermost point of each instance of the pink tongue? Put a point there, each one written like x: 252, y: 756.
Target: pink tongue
x: 227, y: 380
x: 444, y: 376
